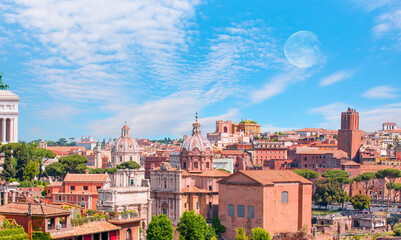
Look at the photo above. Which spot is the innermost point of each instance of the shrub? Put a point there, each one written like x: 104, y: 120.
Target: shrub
x: 397, y: 229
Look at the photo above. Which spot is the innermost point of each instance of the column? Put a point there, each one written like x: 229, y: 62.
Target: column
x: 15, y: 129
x: 3, y: 129
x: 11, y: 129
x: 5, y: 198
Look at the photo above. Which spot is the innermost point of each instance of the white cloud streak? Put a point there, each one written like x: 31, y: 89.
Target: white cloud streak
x: 336, y: 77
x: 381, y: 92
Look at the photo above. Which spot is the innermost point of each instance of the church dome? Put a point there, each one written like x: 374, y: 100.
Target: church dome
x: 125, y: 143
x: 196, y: 140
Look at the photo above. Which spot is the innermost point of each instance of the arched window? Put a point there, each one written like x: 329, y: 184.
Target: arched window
x: 130, y: 158
x: 128, y: 234
x: 121, y: 159
x: 225, y: 129
x: 284, y: 197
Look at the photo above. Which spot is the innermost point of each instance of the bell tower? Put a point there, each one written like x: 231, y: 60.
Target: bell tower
x: 349, y: 136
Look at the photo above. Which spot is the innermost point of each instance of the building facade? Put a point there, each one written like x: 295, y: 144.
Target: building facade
x: 8, y: 117
x: 275, y: 200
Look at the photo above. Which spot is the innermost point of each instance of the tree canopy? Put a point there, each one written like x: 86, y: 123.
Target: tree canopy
x: 335, y: 174
x: 365, y: 181
x: 360, y: 201
x: 259, y: 234
x: 129, y: 165
x: 389, y: 175
x: 74, y: 163
x: 192, y: 226
x: 240, y: 234
x: 160, y: 228
x: 306, y: 173
x: 328, y: 191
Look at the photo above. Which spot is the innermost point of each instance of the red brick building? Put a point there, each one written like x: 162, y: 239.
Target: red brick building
x: 349, y: 136
x: 276, y: 200
x: 269, y: 150
x: 155, y: 161
x: 78, y: 189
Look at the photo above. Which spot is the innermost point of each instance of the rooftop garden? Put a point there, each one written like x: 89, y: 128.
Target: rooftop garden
x: 248, y: 121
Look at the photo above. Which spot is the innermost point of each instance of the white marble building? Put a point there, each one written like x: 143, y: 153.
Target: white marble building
x: 8, y: 117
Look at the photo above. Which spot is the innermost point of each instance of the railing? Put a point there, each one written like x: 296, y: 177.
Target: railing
x: 54, y: 227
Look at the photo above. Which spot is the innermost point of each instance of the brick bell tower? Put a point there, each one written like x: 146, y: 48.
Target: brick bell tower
x: 349, y: 136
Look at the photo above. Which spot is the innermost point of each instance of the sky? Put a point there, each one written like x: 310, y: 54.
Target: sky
x: 83, y: 67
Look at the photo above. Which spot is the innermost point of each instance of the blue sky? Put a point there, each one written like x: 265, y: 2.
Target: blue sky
x: 84, y: 67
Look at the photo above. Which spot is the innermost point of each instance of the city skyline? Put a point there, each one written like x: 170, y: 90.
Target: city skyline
x: 85, y: 70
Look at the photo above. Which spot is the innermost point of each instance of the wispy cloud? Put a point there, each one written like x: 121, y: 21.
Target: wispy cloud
x: 131, y: 59
x: 277, y: 84
x: 336, y: 77
x: 370, y: 119
x: 381, y: 92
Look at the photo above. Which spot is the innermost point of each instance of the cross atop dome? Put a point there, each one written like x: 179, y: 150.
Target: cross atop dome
x: 196, y: 126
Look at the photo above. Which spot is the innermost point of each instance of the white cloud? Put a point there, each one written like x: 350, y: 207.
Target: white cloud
x: 370, y: 119
x: 337, y: 77
x: 381, y: 92
x: 277, y: 84
x: 131, y: 59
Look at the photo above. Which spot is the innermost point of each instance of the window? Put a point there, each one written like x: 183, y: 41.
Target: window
x: 197, y: 205
x: 72, y: 188
x: 132, y: 182
x: 128, y: 234
x: 130, y: 158
x: 284, y: 197
x: 85, y: 188
x: 59, y: 197
x: 196, y: 165
x: 230, y: 210
x: 207, y: 165
x: 121, y: 159
x: 210, y: 188
x: 98, y: 187
x: 82, y: 198
x: 251, y: 211
x: 48, y: 191
x: 240, y: 211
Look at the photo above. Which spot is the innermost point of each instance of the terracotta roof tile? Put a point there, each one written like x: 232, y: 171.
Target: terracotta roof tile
x: 85, y: 177
x: 268, y: 177
x: 36, y: 210
x: 89, y: 228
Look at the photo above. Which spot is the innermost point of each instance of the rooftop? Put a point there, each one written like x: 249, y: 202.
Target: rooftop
x: 40, y: 210
x: 269, y: 177
x: 74, y: 177
x: 89, y: 228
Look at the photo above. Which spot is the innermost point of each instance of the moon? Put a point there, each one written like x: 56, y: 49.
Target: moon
x: 302, y: 49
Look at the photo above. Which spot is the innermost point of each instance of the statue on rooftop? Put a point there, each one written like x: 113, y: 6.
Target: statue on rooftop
x: 3, y: 86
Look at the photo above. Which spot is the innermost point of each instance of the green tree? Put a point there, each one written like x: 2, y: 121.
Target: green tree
x: 74, y: 163
x: 328, y: 191
x: 240, y: 234
x: 97, y: 170
x: 397, y: 229
x: 192, y: 226
x: 360, y: 201
x: 389, y: 175
x: 31, y: 171
x: 220, y: 229
x: 112, y: 172
x: 306, y: 173
x: 396, y: 189
x: 62, y: 142
x: 42, y: 155
x: 8, y: 168
x: 259, y: 234
x: 210, y: 233
x: 55, y: 170
x: 342, y: 177
x: 365, y: 181
x: 160, y: 228
x: 23, y: 159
